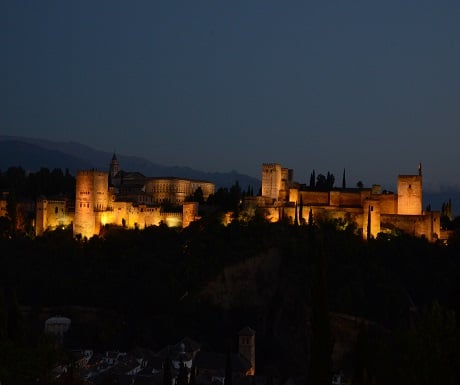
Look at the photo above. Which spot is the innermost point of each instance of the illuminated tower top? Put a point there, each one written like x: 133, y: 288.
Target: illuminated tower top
x: 114, y: 166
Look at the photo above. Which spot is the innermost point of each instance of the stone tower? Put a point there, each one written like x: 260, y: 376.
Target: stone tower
x: 410, y: 194
x: 91, y: 199
x: 271, y: 180
x: 247, y: 347
x: 189, y: 213
x: 114, y: 167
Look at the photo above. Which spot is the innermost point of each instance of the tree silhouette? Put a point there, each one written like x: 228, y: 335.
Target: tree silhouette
x: 312, y: 179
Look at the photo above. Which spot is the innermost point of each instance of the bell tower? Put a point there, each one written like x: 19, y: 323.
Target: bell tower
x: 114, y: 166
x: 247, y: 347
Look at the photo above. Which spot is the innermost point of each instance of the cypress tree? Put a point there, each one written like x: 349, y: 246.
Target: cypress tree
x: 344, y: 184
x: 369, y: 223
x: 310, y: 217
x: 312, y: 179
x: 302, y: 221
x: 296, y: 217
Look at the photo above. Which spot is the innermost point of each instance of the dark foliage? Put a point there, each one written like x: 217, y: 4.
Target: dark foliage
x: 150, y: 280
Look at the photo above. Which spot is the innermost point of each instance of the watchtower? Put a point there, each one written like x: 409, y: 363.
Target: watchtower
x: 410, y: 194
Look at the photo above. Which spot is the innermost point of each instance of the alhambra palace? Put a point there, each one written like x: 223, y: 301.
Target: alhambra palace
x: 131, y: 200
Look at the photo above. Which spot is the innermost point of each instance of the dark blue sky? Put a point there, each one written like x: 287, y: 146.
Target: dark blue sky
x: 219, y: 85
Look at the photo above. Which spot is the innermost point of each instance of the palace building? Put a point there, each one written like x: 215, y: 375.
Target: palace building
x: 127, y: 199
x: 372, y: 209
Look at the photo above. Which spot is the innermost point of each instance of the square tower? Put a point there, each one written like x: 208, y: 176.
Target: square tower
x: 410, y: 194
x: 271, y: 180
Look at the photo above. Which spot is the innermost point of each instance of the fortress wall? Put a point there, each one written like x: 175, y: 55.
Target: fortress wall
x: 283, y: 195
x: 116, y: 215
x: 41, y: 216
x: 189, y: 213
x: 351, y: 199
x: 388, y: 203
x: 409, y: 194
x: 152, y: 216
x: 329, y: 212
x: 365, y: 194
x: 427, y: 225
x: 315, y: 198
x: 51, y: 214
x: 294, y: 195
x: 172, y: 219
x: 345, y: 199
x: 334, y: 198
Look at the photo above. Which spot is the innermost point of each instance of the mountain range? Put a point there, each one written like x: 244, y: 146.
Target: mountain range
x: 33, y: 154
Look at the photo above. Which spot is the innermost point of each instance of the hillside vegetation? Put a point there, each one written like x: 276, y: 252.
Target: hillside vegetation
x: 397, y: 296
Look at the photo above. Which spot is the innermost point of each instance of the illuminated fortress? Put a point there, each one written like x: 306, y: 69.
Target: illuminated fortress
x: 372, y: 210
x: 131, y: 200
x: 126, y: 199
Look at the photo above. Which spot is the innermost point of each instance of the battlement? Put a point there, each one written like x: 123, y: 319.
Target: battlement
x: 91, y: 173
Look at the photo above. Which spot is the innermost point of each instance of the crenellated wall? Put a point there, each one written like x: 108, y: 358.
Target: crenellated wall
x: 384, y: 210
x: 51, y: 214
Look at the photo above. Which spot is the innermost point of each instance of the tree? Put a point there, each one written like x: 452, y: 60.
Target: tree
x: 310, y: 217
x: 344, y: 184
x: 312, y: 179
x: 321, y: 182
x: 330, y: 179
x: 427, y: 352
x: 196, y: 196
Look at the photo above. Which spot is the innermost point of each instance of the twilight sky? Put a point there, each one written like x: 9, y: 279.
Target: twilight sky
x: 219, y: 85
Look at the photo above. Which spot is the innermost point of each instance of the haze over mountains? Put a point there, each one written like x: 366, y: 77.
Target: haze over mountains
x: 33, y: 153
